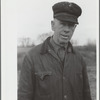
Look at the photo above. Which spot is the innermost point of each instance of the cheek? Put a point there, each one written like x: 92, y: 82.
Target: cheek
x: 71, y: 33
x: 58, y: 32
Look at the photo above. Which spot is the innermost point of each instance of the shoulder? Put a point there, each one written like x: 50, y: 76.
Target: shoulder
x: 78, y: 54
x: 33, y: 52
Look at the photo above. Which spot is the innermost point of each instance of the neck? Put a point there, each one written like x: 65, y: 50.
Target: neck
x: 59, y: 44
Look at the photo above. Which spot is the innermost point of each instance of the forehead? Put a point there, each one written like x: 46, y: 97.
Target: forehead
x: 64, y: 22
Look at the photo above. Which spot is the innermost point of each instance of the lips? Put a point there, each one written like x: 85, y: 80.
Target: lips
x: 64, y: 36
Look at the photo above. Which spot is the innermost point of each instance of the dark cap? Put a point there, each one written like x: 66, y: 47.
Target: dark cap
x: 67, y: 11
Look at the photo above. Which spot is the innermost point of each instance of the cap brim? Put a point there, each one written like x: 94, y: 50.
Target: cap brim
x: 66, y: 17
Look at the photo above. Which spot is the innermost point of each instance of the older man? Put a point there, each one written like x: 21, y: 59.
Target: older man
x: 53, y: 70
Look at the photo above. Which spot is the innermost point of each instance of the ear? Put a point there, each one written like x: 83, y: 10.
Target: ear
x: 74, y: 27
x: 52, y: 25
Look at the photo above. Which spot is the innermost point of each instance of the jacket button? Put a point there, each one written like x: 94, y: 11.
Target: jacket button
x: 63, y: 78
x: 65, y: 96
x: 49, y: 50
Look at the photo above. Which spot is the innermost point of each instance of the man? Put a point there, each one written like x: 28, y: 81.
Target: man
x: 53, y: 70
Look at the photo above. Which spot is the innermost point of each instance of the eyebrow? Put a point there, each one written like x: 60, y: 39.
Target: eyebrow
x: 67, y: 23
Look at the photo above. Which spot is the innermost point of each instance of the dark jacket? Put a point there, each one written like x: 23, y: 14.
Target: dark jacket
x: 45, y: 77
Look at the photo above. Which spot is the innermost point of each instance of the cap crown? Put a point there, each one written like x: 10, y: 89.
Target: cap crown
x: 67, y: 7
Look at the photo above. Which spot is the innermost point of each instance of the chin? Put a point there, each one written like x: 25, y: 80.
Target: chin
x: 63, y: 42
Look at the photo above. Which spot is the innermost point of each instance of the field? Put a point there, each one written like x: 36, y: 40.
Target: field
x: 92, y: 80
x: 89, y: 55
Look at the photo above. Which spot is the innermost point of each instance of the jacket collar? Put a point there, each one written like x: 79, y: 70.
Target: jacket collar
x: 46, y: 43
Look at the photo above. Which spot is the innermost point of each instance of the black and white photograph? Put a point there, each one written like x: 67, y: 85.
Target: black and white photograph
x: 50, y: 50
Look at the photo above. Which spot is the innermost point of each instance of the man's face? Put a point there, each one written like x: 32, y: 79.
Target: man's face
x: 63, y: 31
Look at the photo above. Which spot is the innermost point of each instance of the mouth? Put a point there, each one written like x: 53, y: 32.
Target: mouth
x: 64, y: 36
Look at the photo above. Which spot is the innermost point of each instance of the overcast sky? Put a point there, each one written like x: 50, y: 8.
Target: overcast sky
x: 29, y: 18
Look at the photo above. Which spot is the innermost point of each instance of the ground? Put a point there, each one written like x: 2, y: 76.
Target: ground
x: 92, y: 80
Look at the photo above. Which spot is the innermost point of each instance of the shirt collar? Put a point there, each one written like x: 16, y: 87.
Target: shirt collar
x: 55, y: 46
x: 50, y: 42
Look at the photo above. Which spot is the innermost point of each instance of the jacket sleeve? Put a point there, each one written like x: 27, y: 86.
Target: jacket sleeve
x: 86, y: 86
x: 26, y: 84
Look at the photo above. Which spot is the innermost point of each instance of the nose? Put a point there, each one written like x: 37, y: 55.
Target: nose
x: 66, y: 31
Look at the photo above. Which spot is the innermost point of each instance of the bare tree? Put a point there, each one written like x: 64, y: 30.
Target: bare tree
x: 43, y: 36
x: 25, y: 41
x: 74, y: 42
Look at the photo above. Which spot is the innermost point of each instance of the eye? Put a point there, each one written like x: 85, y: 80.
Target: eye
x: 64, y: 24
x: 71, y: 24
x: 68, y: 24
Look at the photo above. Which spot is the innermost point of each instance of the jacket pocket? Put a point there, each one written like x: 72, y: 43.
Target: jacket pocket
x: 43, y: 82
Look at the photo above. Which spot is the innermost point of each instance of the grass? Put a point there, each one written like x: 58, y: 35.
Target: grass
x: 92, y: 80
